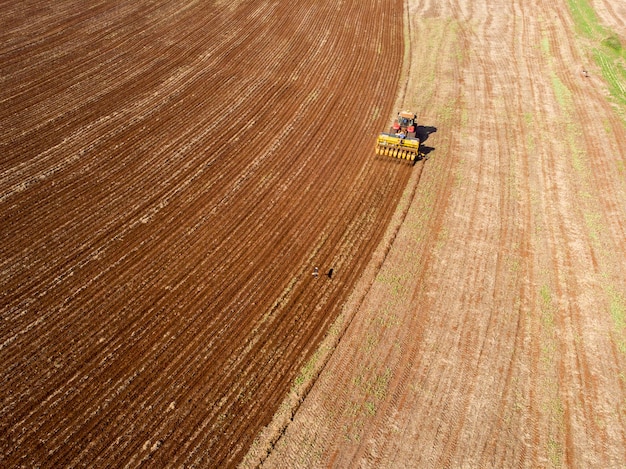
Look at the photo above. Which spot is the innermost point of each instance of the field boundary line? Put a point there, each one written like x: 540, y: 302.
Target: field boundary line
x: 270, y: 436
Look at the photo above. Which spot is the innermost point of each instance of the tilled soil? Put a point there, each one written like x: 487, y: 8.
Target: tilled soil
x: 171, y: 173
x: 494, y: 334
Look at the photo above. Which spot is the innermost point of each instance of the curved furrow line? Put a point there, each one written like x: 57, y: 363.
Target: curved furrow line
x: 346, y: 366
x: 143, y: 259
x: 114, y: 85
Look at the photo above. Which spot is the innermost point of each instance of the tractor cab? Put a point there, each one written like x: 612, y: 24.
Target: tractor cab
x: 401, y: 141
x: 404, y: 124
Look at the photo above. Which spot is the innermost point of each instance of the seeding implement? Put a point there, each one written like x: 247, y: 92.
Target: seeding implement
x: 402, y: 140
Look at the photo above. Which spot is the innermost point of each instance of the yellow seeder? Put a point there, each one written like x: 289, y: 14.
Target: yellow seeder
x: 401, y: 141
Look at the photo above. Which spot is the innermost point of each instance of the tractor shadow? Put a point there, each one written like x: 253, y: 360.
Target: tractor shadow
x: 422, y: 132
x: 424, y: 151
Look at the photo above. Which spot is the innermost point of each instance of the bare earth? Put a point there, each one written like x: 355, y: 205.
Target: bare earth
x: 170, y: 173
x: 494, y: 334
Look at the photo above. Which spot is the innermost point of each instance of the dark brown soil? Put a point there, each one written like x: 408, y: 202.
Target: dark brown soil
x: 171, y: 173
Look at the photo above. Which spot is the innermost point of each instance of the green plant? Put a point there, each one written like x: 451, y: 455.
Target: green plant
x: 609, y: 54
x: 613, y: 42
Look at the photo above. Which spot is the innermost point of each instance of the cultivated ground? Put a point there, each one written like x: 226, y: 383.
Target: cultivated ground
x: 494, y: 334
x: 171, y: 173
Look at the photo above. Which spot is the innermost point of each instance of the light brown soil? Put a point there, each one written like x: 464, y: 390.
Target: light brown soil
x: 170, y: 174
x: 494, y: 334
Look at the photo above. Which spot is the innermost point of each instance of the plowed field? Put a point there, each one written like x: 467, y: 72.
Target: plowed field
x: 170, y: 174
x: 494, y: 334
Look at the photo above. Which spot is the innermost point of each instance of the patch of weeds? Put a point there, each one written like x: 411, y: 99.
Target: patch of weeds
x: 371, y: 341
x: 394, y: 281
x: 562, y: 93
x: 376, y: 387
x: 421, y: 391
x: 519, y: 396
x: 551, y: 405
x: 353, y: 409
x: 370, y: 408
x: 514, y: 265
x: 307, y: 371
x: 584, y: 16
x: 397, y: 345
x: 617, y: 308
x: 379, y: 387
x: 555, y: 452
x: 613, y: 42
x: 578, y: 160
x: 528, y: 118
x: 442, y: 237
x: 556, y: 406
x: 464, y: 118
x: 592, y: 220
x: 359, y: 378
x: 545, y: 46
x: 613, y: 72
x: 352, y: 433
x: 461, y: 54
x: 546, y: 296
x: 547, y: 352
x: 388, y: 320
x: 459, y: 176
x: 548, y: 347
x: 609, y: 54
x: 600, y: 422
x: 446, y: 112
